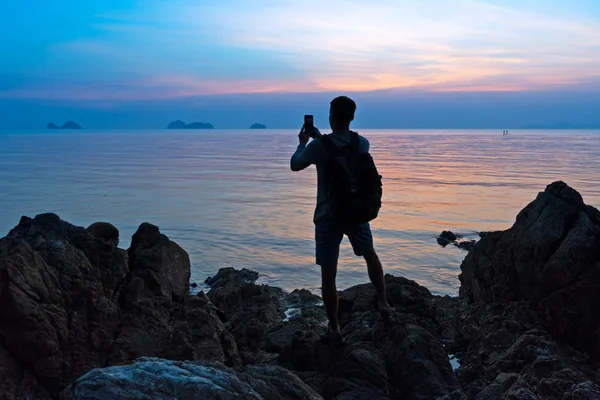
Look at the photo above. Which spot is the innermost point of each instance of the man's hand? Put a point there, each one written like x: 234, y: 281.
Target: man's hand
x: 303, y: 136
x: 314, y: 133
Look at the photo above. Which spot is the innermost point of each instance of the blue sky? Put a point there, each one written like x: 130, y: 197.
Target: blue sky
x: 97, y: 59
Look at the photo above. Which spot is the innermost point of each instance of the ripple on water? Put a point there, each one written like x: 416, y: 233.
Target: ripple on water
x: 241, y: 206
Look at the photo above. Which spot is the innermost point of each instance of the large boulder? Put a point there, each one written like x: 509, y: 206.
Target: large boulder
x: 157, y: 379
x: 72, y: 301
x: 550, y: 258
x: 505, y: 353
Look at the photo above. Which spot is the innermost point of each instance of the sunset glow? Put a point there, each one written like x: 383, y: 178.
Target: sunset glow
x: 155, y: 49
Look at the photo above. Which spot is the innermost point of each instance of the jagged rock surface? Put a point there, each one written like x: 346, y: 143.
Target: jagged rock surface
x: 72, y: 302
x: 549, y: 258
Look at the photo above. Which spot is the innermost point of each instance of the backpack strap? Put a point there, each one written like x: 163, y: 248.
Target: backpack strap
x: 354, y: 141
x: 330, y: 147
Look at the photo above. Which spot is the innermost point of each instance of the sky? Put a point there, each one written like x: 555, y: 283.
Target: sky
x: 408, y: 63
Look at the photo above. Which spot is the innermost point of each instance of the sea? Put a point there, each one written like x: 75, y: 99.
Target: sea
x: 229, y: 198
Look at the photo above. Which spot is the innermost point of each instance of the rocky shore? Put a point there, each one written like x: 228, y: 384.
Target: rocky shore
x: 81, y: 318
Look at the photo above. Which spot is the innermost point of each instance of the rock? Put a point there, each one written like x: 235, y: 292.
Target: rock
x: 194, y: 125
x: 145, y: 379
x: 550, y: 258
x: 228, y: 276
x: 256, y: 125
x: 303, y: 303
x: 251, y: 310
x: 447, y: 310
x: 283, y: 334
x: 72, y: 302
x: 401, y: 293
x: 417, y: 365
x: 504, y: 353
x: 360, y: 373
x: 405, y: 360
x: 450, y: 236
x: 17, y: 382
x: 486, y: 233
x: 161, y: 263
x: 66, y: 125
x: 302, y: 298
x: 194, y: 285
x: 105, y: 231
x: 466, y: 244
x: 446, y: 238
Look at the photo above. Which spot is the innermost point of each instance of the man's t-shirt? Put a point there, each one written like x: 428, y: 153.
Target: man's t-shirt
x: 315, y: 153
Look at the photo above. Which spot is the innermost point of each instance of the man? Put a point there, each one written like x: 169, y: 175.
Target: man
x: 329, y: 235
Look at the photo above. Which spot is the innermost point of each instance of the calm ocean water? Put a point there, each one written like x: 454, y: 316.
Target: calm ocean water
x: 229, y: 198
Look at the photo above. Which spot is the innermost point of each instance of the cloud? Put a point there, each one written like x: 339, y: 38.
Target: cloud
x: 182, y: 48
x: 385, y: 44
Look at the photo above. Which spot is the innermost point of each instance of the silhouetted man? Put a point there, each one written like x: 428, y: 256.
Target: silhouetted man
x: 330, y: 231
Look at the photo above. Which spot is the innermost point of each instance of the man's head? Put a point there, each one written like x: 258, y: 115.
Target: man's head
x: 341, y: 113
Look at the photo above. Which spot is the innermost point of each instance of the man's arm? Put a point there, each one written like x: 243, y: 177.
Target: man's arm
x: 303, y: 157
x: 364, y: 144
x: 306, y: 155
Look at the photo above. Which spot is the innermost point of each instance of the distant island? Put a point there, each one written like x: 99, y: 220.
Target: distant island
x: 194, y: 125
x: 256, y: 125
x: 66, y: 125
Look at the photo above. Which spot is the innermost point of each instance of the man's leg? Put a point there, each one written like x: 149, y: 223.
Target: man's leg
x: 376, y: 276
x: 361, y: 239
x: 328, y: 238
x: 330, y: 296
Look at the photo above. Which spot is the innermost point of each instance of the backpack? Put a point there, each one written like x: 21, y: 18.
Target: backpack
x: 355, y: 189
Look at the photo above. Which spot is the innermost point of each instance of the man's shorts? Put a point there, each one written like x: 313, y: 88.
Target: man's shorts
x: 328, y: 238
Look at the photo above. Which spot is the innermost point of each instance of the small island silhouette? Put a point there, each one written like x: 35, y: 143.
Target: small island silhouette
x: 194, y: 125
x: 257, y: 125
x: 66, y: 125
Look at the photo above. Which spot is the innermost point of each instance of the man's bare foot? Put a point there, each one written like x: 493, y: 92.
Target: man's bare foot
x: 333, y: 336
x: 388, y: 315
x: 382, y: 305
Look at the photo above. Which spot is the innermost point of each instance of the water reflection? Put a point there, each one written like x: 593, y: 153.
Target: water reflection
x: 229, y: 198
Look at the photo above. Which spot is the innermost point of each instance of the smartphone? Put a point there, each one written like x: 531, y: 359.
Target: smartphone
x: 308, y: 123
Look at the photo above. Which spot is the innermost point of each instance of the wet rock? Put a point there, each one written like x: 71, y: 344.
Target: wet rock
x: 550, y: 258
x: 446, y: 238
x: 448, y: 235
x: 305, y: 304
x: 156, y: 379
x: 228, y: 276
x: 302, y: 298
